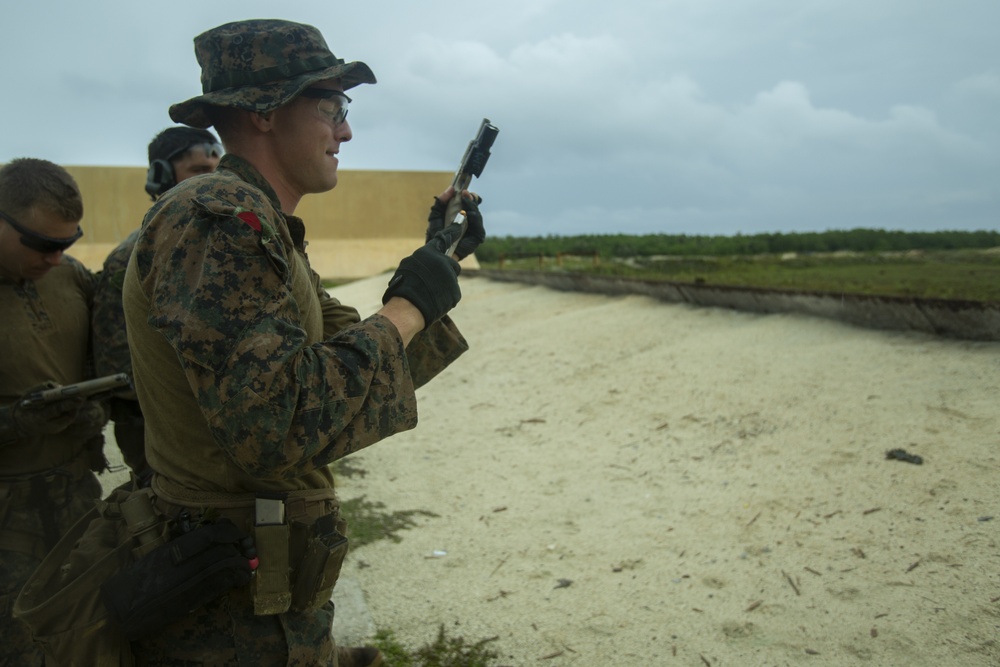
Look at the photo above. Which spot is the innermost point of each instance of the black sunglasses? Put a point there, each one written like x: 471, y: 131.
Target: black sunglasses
x: 40, y: 242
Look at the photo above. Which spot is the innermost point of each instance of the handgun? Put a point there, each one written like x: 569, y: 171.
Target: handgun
x: 88, y: 389
x: 476, y: 155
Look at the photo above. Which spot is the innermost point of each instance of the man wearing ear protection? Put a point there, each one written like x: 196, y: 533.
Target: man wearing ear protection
x: 175, y: 154
x: 48, y: 452
x: 178, y: 153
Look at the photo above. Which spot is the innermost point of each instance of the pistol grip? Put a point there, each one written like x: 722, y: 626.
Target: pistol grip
x: 453, y: 215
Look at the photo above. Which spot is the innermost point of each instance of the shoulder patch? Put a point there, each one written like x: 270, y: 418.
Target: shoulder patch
x: 251, y: 219
x: 259, y: 223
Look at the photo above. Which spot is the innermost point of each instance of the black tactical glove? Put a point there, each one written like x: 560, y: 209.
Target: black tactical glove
x: 89, y: 421
x: 428, y: 278
x: 45, y: 418
x: 475, y: 232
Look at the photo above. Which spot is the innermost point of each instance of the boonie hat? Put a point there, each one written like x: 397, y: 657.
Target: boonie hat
x: 259, y: 65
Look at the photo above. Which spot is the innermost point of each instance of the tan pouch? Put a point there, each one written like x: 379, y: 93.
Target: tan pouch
x: 271, y: 582
x: 319, y: 568
x: 61, y: 602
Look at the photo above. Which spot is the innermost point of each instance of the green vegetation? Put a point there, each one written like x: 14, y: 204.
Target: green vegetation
x: 945, y: 265
x: 369, y: 522
x: 683, y: 245
x: 444, y: 651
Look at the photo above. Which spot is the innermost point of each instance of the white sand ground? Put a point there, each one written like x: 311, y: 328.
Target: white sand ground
x: 713, y: 484
x: 619, y: 481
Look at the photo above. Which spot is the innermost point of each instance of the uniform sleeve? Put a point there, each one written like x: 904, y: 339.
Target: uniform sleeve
x: 430, y: 352
x: 86, y: 281
x: 110, y: 340
x: 336, y: 316
x: 434, y: 349
x: 278, y: 406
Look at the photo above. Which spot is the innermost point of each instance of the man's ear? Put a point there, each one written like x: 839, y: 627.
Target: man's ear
x: 261, y: 121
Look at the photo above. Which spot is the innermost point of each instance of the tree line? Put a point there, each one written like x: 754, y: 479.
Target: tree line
x: 624, y: 245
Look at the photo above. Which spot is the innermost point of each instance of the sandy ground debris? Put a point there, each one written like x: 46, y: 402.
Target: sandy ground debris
x: 622, y: 481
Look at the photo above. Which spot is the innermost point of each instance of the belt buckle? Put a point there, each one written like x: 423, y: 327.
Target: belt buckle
x: 269, y: 511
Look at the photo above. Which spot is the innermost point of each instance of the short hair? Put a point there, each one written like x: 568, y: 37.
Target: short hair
x: 173, y: 141
x: 27, y: 182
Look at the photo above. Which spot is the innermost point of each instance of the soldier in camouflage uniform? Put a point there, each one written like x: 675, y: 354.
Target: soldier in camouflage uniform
x: 252, y: 379
x: 175, y: 154
x: 48, y: 453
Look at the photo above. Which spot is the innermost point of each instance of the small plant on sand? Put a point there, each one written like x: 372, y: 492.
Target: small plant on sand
x: 444, y: 651
x: 369, y: 521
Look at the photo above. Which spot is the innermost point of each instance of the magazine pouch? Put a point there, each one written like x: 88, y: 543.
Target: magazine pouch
x: 319, y: 568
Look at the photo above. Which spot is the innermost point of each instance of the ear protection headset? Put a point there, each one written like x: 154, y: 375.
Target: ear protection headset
x: 159, y: 177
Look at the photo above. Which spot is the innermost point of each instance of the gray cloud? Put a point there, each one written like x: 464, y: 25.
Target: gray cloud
x: 690, y: 116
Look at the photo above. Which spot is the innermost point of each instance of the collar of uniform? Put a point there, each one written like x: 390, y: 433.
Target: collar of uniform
x: 247, y: 172
x: 297, y: 230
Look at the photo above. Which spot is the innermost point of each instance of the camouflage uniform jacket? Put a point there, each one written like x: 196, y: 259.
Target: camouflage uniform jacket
x: 46, y: 336
x: 250, y: 376
x: 111, y: 354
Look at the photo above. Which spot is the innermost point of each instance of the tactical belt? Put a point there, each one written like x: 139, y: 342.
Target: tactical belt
x: 284, y: 525
x: 304, y: 505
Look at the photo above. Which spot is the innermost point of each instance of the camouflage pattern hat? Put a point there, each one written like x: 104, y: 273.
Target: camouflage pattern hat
x: 260, y: 64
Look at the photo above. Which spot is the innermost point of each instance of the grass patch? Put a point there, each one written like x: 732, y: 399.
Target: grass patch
x: 971, y: 275
x: 369, y: 521
x: 345, y: 468
x: 444, y: 651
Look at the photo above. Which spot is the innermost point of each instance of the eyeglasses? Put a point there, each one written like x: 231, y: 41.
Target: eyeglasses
x: 332, y: 103
x: 40, y: 242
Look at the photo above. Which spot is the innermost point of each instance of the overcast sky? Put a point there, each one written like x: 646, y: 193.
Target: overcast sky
x: 636, y: 116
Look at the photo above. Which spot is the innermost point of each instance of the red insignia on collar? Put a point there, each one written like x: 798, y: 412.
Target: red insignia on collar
x: 250, y: 218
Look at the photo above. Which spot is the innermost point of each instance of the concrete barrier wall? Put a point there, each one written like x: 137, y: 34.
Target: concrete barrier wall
x: 363, y: 227
x: 969, y: 320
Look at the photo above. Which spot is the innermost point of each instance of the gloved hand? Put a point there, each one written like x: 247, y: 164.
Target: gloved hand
x: 89, y: 421
x: 475, y: 232
x: 428, y: 278
x: 45, y: 418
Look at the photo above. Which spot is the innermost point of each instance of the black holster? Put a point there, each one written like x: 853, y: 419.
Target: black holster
x: 178, y: 577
